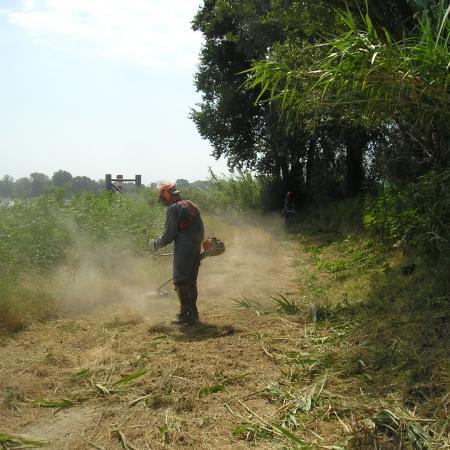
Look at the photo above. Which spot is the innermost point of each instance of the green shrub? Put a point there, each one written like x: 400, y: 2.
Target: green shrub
x: 415, y: 216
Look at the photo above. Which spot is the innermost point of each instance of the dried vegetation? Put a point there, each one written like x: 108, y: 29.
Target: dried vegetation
x: 338, y: 359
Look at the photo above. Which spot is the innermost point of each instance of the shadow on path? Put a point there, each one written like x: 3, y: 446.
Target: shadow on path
x: 201, y: 332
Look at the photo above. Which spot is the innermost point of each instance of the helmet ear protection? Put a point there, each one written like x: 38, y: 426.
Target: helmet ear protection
x: 166, y: 196
x: 167, y: 193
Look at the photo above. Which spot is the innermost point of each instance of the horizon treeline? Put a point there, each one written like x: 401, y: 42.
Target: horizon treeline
x: 37, y: 183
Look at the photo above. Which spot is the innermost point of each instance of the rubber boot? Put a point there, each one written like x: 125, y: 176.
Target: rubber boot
x: 182, y: 301
x: 187, y: 315
x: 193, y: 294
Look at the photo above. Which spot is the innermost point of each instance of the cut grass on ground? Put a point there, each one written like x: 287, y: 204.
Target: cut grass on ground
x: 354, y: 362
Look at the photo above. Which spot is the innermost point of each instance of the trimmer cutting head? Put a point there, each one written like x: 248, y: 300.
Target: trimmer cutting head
x: 156, y: 294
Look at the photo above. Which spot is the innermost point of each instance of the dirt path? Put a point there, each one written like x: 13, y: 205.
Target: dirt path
x: 192, y: 387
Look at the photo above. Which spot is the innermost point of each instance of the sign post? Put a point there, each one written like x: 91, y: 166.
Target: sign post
x: 116, y: 184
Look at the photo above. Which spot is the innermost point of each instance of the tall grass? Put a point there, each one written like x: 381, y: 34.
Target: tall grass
x: 364, y: 74
x: 36, y: 236
x: 240, y: 192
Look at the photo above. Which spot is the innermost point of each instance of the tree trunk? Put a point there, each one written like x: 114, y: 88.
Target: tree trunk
x: 310, y: 162
x: 355, y: 141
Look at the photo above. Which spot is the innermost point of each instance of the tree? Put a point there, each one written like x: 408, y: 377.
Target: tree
x: 181, y: 183
x: 61, y: 178
x: 200, y: 184
x: 248, y: 135
x: 314, y: 151
x: 38, y: 183
x: 373, y: 82
x: 6, y: 186
x: 22, y: 187
x: 84, y: 184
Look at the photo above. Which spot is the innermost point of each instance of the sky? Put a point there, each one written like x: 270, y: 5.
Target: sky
x: 100, y: 86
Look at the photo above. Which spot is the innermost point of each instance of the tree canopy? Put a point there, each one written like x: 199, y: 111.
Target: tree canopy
x: 326, y: 97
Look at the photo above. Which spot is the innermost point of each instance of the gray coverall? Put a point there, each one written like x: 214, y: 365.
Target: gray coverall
x: 184, y: 227
x: 187, y: 240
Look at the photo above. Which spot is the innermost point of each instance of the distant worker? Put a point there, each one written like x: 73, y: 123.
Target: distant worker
x: 183, y: 227
x: 289, y: 208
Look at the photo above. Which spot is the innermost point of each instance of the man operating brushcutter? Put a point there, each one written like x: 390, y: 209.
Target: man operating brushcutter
x: 183, y: 227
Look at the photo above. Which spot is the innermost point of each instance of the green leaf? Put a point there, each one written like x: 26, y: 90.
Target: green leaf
x: 443, y: 23
x: 81, y: 374
x: 211, y: 390
x: 131, y: 377
x: 53, y: 403
x: 25, y: 441
x: 292, y: 437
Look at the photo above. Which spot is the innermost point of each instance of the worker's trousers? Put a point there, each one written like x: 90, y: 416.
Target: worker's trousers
x: 187, y: 296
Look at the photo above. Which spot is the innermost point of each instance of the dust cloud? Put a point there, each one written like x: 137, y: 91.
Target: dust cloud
x: 106, y: 279
x: 256, y: 265
x: 110, y: 280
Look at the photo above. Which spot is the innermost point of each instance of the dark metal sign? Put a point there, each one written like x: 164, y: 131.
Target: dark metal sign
x: 116, y: 184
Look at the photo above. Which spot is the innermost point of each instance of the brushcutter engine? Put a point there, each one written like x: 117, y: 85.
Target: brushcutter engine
x: 212, y: 246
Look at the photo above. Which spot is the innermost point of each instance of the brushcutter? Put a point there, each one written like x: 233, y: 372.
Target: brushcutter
x: 212, y: 246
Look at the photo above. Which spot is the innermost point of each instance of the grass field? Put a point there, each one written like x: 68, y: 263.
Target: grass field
x: 310, y: 338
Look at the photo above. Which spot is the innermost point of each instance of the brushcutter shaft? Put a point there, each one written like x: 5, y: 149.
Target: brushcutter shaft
x: 211, y: 246
x: 217, y: 250
x: 166, y: 282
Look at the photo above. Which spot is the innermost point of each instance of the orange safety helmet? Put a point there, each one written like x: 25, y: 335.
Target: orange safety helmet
x: 167, y: 193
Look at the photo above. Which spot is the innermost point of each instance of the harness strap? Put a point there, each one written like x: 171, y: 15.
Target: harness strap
x: 193, y: 212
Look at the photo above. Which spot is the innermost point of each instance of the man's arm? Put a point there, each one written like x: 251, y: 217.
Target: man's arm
x: 170, y: 228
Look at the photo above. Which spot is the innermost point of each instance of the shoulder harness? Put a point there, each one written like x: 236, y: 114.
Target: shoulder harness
x: 193, y: 212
